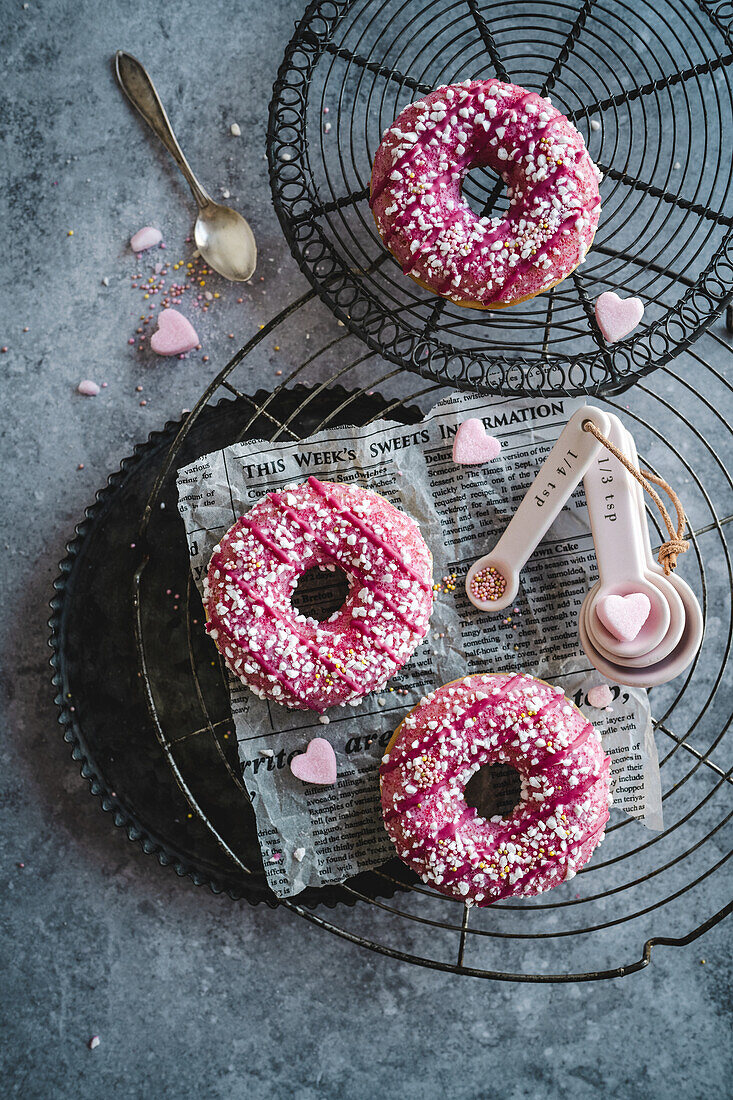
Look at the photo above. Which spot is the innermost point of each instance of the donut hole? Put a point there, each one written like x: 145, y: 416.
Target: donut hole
x: 482, y: 186
x: 494, y: 790
x: 320, y: 592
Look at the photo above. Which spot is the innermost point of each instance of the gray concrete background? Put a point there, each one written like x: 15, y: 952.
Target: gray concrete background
x: 195, y: 996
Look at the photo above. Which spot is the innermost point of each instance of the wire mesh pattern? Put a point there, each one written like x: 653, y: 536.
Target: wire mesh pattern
x: 640, y: 889
x: 649, y: 87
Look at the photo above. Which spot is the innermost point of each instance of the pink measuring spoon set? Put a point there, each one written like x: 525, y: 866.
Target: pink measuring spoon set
x: 637, y: 625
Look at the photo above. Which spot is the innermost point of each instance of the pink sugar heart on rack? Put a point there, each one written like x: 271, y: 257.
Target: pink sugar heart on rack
x: 617, y: 317
x: 624, y: 616
x: 472, y: 445
x: 317, y: 764
x: 174, y: 335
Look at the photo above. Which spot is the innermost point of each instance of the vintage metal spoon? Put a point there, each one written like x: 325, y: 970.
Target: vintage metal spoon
x: 222, y: 236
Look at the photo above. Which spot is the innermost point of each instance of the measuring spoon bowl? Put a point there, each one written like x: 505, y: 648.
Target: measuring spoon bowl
x: 659, y: 652
x: 651, y: 633
x: 663, y: 671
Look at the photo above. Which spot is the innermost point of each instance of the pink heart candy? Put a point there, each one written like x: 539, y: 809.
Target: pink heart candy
x: 87, y: 388
x: 624, y: 616
x: 617, y: 317
x: 317, y: 764
x: 145, y: 238
x: 600, y: 696
x: 472, y: 445
x: 174, y: 334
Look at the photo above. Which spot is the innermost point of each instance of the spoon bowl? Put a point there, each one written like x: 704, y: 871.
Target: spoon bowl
x: 226, y: 242
x: 505, y: 570
x: 659, y: 652
x: 651, y: 633
x: 664, y: 670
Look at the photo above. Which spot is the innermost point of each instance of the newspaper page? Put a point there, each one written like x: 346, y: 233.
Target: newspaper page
x: 311, y: 835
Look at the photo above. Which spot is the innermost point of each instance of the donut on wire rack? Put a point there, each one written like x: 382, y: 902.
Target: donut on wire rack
x: 552, y: 183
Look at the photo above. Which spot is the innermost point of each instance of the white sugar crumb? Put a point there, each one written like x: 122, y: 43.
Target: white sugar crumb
x: 94, y: 1042
x: 324, y: 719
x: 266, y: 752
x: 595, y: 124
x: 235, y: 130
x: 676, y: 166
x: 299, y: 854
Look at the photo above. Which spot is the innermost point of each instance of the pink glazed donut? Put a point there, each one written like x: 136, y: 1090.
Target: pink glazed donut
x: 297, y: 661
x: 552, y: 184
x: 490, y: 719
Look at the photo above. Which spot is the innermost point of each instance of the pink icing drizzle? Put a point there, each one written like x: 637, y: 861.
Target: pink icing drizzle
x: 372, y: 536
x: 218, y: 623
x: 310, y: 645
x: 366, y: 582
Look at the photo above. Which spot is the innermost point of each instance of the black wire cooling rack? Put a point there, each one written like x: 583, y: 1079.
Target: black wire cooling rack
x: 647, y: 83
x: 144, y: 705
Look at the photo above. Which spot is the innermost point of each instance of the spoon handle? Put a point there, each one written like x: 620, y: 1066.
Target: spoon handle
x: 614, y: 515
x: 138, y: 87
x: 557, y: 478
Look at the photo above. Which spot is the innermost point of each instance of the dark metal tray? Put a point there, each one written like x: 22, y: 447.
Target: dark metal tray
x: 101, y: 690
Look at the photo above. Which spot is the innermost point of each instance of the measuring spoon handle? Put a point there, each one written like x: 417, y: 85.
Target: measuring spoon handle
x: 613, y: 508
x: 630, y: 452
x: 558, y: 476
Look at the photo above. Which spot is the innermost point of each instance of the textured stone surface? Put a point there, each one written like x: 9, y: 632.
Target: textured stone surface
x: 194, y: 995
